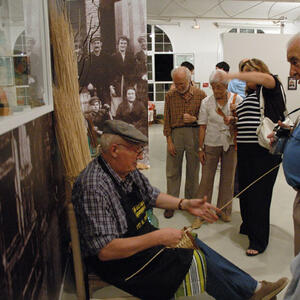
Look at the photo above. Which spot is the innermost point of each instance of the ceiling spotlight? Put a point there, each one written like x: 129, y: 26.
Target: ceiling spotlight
x: 196, y: 25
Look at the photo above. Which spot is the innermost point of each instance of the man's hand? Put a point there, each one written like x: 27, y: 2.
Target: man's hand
x: 187, y: 118
x: 200, y: 208
x: 169, y: 237
x: 272, y: 134
x: 202, y: 157
x: 171, y: 146
x: 112, y: 91
x: 228, y: 120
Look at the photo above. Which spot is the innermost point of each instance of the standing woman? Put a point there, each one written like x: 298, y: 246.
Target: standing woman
x: 216, y: 142
x: 254, y: 160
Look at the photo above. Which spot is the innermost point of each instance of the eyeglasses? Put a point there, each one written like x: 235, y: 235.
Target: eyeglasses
x: 138, y: 151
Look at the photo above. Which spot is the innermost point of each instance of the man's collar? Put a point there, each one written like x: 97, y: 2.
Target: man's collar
x: 188, y: 94
x: 114, y: 173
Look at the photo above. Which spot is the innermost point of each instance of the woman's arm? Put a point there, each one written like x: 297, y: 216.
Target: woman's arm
x: 264, y: 79
x: 202, y: 131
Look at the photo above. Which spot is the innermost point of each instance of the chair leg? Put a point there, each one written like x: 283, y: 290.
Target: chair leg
x: 88, y: 293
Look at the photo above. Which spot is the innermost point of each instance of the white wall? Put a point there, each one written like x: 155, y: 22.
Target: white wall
x: 206, y: 44
x: 270, y: 48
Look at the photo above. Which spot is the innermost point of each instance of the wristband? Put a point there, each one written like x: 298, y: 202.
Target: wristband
x: 179, y: 206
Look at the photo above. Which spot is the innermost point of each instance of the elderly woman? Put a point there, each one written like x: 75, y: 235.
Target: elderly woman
x: 254, y: 160
x: 133, y: 111
x: 216, y: 141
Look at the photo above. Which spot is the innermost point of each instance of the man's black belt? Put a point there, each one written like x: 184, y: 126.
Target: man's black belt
x: 188, y: 125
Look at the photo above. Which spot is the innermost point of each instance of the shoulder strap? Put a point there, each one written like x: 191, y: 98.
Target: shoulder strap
x: 293, y: 111
x: 261, y: 103
x: 234, y: 98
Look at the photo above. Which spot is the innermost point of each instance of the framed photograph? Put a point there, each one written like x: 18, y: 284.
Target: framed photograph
x: 197, y: 84
x: 292, y: 83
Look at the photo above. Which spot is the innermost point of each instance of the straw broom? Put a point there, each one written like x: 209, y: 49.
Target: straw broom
x: 69, y: 121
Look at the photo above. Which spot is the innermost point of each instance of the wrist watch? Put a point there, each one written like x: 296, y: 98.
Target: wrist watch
x: 200, y: 149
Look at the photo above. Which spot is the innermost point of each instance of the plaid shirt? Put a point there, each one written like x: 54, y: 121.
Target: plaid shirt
x: 176, y: 105
x: 97, y: 203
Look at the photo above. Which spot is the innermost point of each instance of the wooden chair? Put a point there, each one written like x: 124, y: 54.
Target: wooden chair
x: 86, y: 284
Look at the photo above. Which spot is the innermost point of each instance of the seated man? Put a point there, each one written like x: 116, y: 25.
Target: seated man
x: 111, y: 197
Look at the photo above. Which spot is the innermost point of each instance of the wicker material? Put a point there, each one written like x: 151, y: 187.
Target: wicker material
x: 187, y: 241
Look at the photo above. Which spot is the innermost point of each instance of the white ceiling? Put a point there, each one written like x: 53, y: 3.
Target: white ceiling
x: 169, y: 10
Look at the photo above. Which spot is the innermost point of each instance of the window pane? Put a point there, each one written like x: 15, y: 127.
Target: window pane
x: 149, y: 75
x: 157, y: 30
x: 166, y: 39
x: 160, y: 97
x: 260, y: 31
x: 167, y: 86
x: 159, y: 47
x: 246, y: 30
x: 22, y: 55
x: 159, y: 87
x: 150, y: 87
x: 150, y: 95
x: 159, y: 38
x: 148, y: 28
x: 168, y: 48
x: 233, y: 30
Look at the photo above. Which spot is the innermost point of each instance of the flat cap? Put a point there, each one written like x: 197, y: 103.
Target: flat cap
x: 124, y: 130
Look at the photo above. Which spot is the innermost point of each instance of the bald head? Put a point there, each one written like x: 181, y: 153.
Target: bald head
x: 181, y: 77
x: 293, y: 55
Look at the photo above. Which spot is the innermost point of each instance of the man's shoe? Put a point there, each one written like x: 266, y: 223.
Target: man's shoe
x: 168, y: 213
x: 224, y: 217
x: 269, y: 290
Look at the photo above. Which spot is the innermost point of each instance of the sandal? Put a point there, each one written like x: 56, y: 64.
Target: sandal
x: 252, y: 252
x: 169, y: 213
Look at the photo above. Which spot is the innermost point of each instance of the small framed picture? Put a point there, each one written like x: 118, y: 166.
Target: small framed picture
x: 292, y: 83
x: 197, y: 84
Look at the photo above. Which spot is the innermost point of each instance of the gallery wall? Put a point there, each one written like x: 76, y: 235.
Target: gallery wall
x: 270, y: 48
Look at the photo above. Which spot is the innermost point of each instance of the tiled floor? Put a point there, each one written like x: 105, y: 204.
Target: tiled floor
x: 224, y: 237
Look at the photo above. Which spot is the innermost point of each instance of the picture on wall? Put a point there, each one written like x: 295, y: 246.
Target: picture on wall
x: 111, y: 48
x: 292, y: 83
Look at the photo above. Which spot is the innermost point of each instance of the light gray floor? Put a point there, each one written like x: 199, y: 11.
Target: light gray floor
x: 224, y: 237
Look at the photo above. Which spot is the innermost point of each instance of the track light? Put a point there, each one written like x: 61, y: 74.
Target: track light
x: 196, y: 25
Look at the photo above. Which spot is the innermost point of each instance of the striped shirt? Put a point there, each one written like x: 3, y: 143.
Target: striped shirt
x: 248, y: 113
x: 97, y: 203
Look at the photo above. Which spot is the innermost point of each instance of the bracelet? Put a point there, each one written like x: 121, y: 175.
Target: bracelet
x: 179, y: 206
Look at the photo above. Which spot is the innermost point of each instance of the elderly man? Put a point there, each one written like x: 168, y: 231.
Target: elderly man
x: 95, y: 73
x: 291, y: 167
x: 291, y: 160
x: 182, y: 106
x: 111, y: 198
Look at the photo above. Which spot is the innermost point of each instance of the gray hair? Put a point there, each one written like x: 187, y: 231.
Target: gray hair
x: 293, y: 39
x: 215, y: 77
x: 184, y: 70
x: 106, y: 140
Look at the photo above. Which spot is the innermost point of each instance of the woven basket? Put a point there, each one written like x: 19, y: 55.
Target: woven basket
x: 187, y: 241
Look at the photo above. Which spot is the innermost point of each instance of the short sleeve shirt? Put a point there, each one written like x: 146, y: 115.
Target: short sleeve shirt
x: 215, y: 127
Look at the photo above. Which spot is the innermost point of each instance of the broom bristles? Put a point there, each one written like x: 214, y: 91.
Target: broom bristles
x: 69, y: 126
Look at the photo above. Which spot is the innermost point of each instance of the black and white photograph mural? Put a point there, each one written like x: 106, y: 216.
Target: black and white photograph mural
x: 111, y: 47
x: 30, y: 213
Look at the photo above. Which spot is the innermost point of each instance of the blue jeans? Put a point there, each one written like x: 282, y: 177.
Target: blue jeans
x: 225, y: 281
